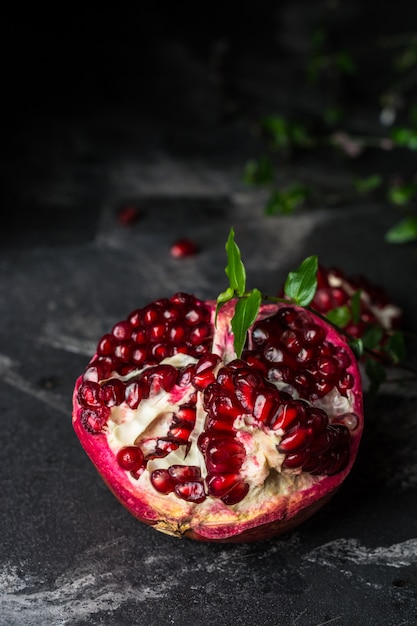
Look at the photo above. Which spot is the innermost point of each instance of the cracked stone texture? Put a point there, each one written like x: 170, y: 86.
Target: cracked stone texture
x: 157, y: 108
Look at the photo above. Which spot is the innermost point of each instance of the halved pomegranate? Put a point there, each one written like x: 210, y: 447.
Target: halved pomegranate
x: 198, y: 443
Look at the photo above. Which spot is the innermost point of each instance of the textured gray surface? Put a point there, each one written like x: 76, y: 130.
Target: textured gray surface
x: 70, y: 554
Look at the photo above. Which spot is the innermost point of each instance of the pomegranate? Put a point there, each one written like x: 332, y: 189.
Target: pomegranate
x: 199, y: 443
x: 334, y: 289
x: 183, y: 248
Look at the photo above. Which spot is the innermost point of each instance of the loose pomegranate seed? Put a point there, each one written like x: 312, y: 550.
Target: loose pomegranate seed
x: 183, y: 248
x: 128, y: 215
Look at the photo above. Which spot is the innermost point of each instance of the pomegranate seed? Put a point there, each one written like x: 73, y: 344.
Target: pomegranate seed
x: 260, y: 333
x: 89, y: 394
x: 186, y: 414
x: 179, y: 434
x: 266, y: 403
x: 161, y: 448
x: 237, y: 494
x: 288, y: 415
x: 313, y: 334
x: 291, y: 340
x: 127, y: 215
x: 220, y: 425
x: 122, y: 331
x: 296, y: 440
x: 204, y: 375
x: 151, y: 315
x: 191, y: 491
x: 94, y: 420
x: 183, y: 473
x: 199, y: 333
x: 327, y: 367
x: 273, y: 354
x: 135, y: 392
x: 106, y: 345
x: 161, y: 377
x: 97, y: 371
x: 293, y: 461
x: 183, y: 248
x: 280, y: 373
x: 224, y: 407
x: 113, y: 392
x: 197, y: 314
x: 177, y: 333
x: 162, y: 481
x: 123, y: 351
x: 130, y: 458
x: 224, y: 455
x: 218, y: 485
x: 247, y: 383
x: 316, y: 419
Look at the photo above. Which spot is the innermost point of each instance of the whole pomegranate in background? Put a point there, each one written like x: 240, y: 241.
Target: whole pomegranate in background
x: 198, y: 443
x: 335, y: 289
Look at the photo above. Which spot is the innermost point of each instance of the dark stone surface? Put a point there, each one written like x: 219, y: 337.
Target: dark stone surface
x: 154, y: 108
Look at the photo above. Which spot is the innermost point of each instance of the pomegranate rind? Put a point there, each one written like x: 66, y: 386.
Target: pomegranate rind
x: 213, y: 520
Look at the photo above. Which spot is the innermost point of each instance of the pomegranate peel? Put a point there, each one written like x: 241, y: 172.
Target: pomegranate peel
x: 196, y: 442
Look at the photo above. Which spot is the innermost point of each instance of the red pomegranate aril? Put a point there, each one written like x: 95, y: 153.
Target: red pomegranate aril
x: 218, y: 485
x: 123, y: 351
x: 345, y: 382
x: 139, y: 356
x: 266, y: 404
x: 220, y: 425
x: 113, y: 392
x: 191, y: 491
x: 122, y: 331
x: 291, y: 340
x: 136, y: 391
x: 94, y: 420
x: 247, y: 383
x: 96, y: 371
x: 106, y: 345
x: 130, y: 458
x: 224, y: 455
x: 197, y: 314
x: 286, y: 317
x: 183, y: 248
x: 162, y: 481
x: 157, y: 332
x: 151, y: 314
x: 161, y: 377
x: 225, y: 379
x: 236, y: 495
x: 296, y: 440
x: 337, y: 461
x: 171, y: 312
x: 184, y: 473
x: 274, y: 354
x: 139, y: 336
x: 179, y: 434
x: 287, y: 415
x: 159, y: 448
x: 316, y: 419
x: 186, y: 414
x: 204, y: 374
x: 305, y: 355
x: 199, y: 333
x: 342, y: 358
x: 279, y: 373
x: 313, y: 334
x: 89, y: 394
x: 327, y: 367
x: 350, y: 420
x: 177, y: 333
x: 224, y: 407
x: 293, y: 461
x: 185, y: 375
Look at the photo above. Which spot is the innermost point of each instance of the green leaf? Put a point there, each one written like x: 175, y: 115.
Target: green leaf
x: 405, y: 138
x: 344, y: 61
x: 376, y: 374
x: 301, y: 285
x: 402, y: 194
x: 278, y: 129
x: 372, y: 337
x: 235, y: 270
x: 403, y: 231
x: 245, y: 314
x: 355, y: 306
x: 222, y: 298
x: 340, y: 316
x: 370, y: 183
x: 356, y: 345
x: 284, y: 202
x: 258, y: 172
x: 395, y: 347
